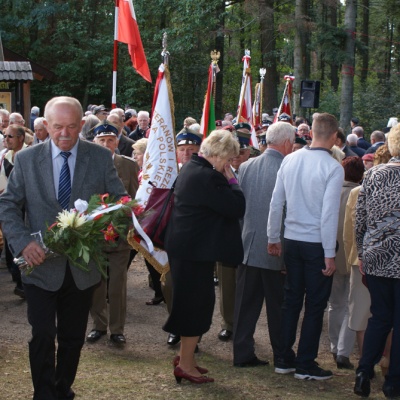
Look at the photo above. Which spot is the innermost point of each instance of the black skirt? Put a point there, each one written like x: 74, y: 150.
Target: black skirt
x: 193, y: 297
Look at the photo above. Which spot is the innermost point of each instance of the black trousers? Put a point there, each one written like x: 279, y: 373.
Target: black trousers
x: 62, y: 314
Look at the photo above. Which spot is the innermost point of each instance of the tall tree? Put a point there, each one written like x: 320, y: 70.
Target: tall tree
x: 301, y: 39
x: 346, y: 101
x: 269, y: 59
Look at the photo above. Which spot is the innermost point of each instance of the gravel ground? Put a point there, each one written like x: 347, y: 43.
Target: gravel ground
x: 146, y: 356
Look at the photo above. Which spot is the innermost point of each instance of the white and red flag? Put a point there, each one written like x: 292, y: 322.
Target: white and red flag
x: 285, y: 106
x: 160, y: 167
x: 159, y: 162
x: 244, y: 113
x: 128, y: 32
x: 208, y: 117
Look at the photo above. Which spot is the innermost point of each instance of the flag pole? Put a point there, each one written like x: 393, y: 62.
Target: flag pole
x: 115, y: 60
x: 263, y: 71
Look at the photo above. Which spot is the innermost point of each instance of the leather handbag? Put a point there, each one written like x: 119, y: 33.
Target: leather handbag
x: 157, y: 214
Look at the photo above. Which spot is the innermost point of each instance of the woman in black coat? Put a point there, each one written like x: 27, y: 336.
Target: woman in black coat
x: 204, y: 228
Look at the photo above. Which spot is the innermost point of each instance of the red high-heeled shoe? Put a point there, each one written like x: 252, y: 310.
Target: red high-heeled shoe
x: 200, y: 369
x: 180, y: 374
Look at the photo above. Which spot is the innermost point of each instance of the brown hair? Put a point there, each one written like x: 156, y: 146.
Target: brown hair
x: 353, y: 169
x: 324, y: 126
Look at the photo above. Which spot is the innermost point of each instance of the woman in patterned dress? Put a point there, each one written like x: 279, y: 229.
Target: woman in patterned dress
x: 378, y: 246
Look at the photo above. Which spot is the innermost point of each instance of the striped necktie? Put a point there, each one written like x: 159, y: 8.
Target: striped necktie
x: 64, y: 186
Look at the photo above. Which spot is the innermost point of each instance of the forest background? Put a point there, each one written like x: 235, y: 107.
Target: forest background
x: 351, y: 47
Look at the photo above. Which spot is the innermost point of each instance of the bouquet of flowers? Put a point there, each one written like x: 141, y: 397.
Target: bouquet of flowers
x: 81, y: 233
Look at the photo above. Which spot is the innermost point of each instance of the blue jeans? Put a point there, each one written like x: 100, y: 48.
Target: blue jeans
x: 385, y: 310
x: 304, y: 283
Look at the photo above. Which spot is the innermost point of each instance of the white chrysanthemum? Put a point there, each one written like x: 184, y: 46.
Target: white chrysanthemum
x: 70, y: 219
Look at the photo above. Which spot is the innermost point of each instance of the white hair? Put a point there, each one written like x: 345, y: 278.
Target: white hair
x: 38, y: 121
x: 143, y: 114
x: 13, y: 117
x: 118, y: 111
x: 392, y: 122
x: 35, y: 110
x: 279, y: 132
x: 195, y: 127
x: 352, y: 139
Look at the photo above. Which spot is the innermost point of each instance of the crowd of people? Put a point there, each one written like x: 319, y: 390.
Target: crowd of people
x: 306, y: 219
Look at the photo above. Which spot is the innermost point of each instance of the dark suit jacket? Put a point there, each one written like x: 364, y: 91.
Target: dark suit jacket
x: 361, y: 142
x: 374, y: 147
x: 348, y: 152
x: 204, y: 225
x: 358, y: 150
x: 125, y: 146
x: 31, y: 185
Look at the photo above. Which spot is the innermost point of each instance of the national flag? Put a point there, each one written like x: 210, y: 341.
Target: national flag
x: 159, y: 162
x: 128, y: 32
x: 208, y: 118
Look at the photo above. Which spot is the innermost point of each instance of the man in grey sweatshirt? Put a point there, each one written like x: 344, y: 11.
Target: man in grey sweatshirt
x: 309, y: 184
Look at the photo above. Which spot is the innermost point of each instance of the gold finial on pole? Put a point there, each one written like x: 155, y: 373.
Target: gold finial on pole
x: 165, y: 52
x: 215, y: 55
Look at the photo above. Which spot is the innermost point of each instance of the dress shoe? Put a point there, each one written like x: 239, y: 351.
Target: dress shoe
x: 95, y: 335
x: 225, y: 335
x: 155, y: 301
x: 391, y: 391
x: 180, y: 374
x: 255, y: 362
x: 200, y: 369
x: 118, y: 338
x: 362, y: 386
x: 173, y: 339
x: 70, y: 395
x: 343, y: 362
x: 19, y: 291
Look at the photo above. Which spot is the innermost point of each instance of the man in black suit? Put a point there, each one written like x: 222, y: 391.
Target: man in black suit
x: 377, y: 140
x: 143, y: 120
x: 46, y: 179
x: 361, y: 142
x: 352, y: 141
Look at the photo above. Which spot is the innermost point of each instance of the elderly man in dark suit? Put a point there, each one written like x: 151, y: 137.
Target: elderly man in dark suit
x: 260, y: 275
x: 46, y: 179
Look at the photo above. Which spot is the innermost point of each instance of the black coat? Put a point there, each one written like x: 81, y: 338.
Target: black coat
x: 204, y: 225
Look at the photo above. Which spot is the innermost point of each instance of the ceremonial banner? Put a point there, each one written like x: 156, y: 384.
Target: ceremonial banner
x: 160, y: 167
x: 128, y: 32
x: 285, y: 106
x: 257, y: 105
x: 245, y: 106
x: 208, y: 118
